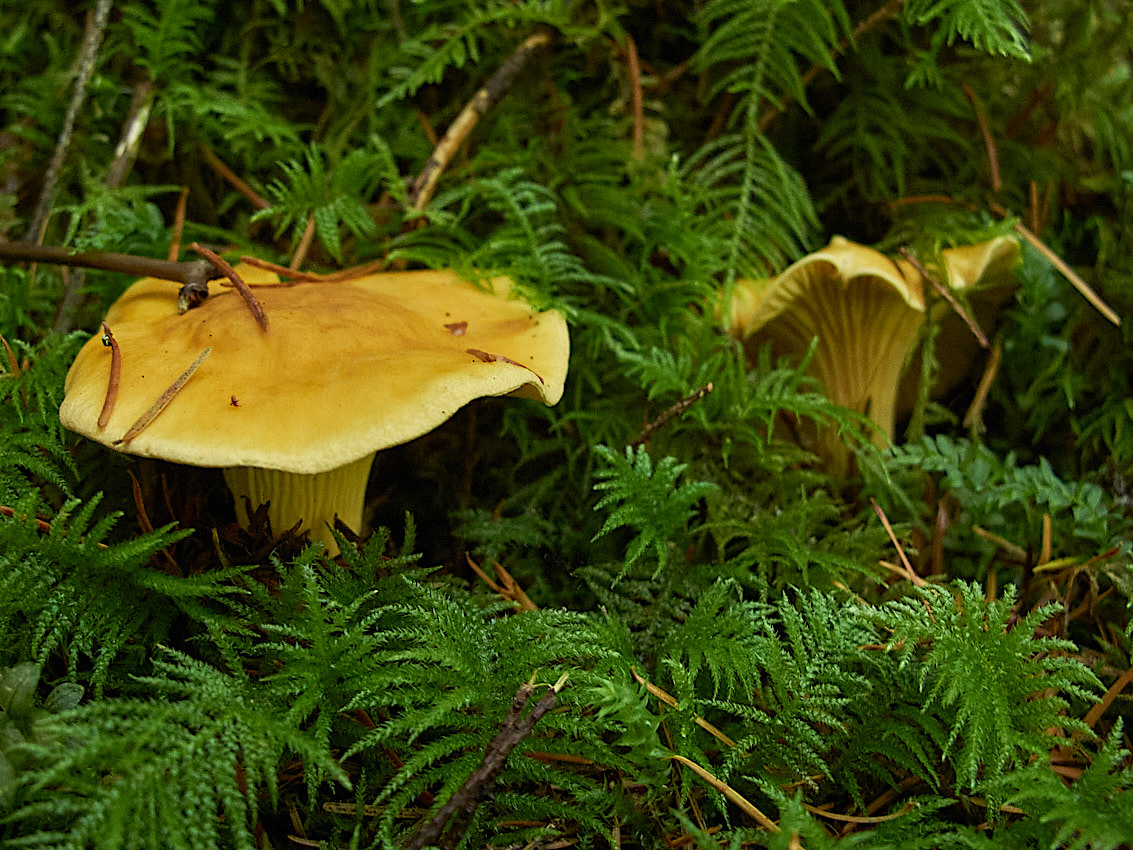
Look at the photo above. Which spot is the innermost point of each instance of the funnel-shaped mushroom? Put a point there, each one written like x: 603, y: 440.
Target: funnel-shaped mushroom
x: 295, y: 414
x: 867, y: 312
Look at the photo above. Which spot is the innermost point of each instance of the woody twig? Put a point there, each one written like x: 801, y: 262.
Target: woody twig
x: 484, y: 99
x: 447, y: 826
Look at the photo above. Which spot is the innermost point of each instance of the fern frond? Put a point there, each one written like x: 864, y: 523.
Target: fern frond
x: 717, y: 637
x: 993, y: 26
x: 187, y: 769
x: 956, y: 643
x: 68, y: 590
x: 330, y: 192
x: 168, y: 36
x: 768, y: 39
x: 648, y: 499
x: 1091, y: 813
x: 756, y: 205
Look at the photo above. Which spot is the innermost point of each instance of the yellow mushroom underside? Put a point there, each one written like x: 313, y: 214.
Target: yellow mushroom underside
x: 865, y: 326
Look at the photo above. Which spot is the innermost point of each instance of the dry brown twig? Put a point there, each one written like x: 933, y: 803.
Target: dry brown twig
x: 449, y: 824
x: 676, y: 410
x: 484, y: 99
x: 92, y: 37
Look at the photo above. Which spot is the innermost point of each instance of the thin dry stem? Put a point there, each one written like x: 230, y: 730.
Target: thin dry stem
x: 671, y: 701
x: 92, y: 37
x: 484, y: 99
x: 304, y: 244
x: 910, y: 574
x: 861, y: 819
x: 731, y: 793
x: 635, y: 95
x: 676, y: 410
x: 178, y: 225
x: 163, y: 400
x: 974, y: 417
x: 956, y: 306
x: 507, y: 587
x: 1097, y: 710
x: 13, y: 362
x: 1075, y: 279
x: 989, y: 140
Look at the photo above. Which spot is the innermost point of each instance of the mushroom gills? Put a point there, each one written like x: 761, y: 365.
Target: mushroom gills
x: 314, y: 499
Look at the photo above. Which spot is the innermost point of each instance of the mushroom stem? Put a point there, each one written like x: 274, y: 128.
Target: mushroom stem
x: 311, y: 499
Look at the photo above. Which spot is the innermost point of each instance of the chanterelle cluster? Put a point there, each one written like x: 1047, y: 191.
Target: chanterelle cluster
x: 867, y: 311
x: 295, y: 414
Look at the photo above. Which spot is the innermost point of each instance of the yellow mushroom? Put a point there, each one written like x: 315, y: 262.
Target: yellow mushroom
x: 867, y: 312
x: 294, y: 415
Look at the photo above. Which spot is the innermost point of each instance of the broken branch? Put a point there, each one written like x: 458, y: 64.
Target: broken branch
x: 462, y: 805
x: 187, y: 274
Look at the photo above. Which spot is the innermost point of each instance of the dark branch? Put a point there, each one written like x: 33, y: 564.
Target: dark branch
x: 456, y: 814
x: 196, y: 273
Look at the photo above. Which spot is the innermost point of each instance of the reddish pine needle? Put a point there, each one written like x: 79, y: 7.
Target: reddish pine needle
x: 237, y: 281
x: 912, y: 576
x: 178, y: 225
x: 957, y: 307
x: 989, y: 140
x: 115, y: 376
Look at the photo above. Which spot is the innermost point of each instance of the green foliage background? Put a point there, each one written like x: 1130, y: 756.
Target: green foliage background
x: 168, y: 681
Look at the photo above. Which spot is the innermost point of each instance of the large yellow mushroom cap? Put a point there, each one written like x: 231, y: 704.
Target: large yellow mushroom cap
x: 346, y: 368
x: 295, y: 413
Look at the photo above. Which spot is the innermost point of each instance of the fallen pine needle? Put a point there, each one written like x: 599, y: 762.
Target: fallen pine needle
x: 1095, y: 713
x: 115, y: 376
x: 1075, y: 279
x: 729, y: 792
x: 671, y: 701
x: 909, y: 573
x: 224, y: 268
x: 166, y: 397
x: 814, y: 810
x: 13, y: 363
